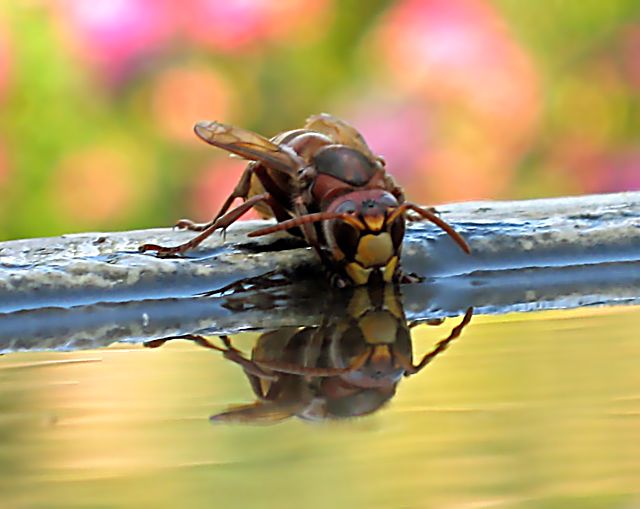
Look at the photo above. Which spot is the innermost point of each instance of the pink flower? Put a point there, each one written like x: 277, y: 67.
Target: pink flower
x: 107, y: 177
x: 181, y: 96
x: 212, y: 187
x: 400, y: 132
x: 461, y: 50
x: 459, y: 66
x: 584, y: 166
x: 625, y: 172
x: 631, y: 53
x: 114, y: 34
x: 5, y: 59
x: 237, y: 25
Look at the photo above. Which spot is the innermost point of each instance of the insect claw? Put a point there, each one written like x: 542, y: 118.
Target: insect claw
x: 187, y: 224
x: 338, y: 281
x: 161, y: 252
x: 413, y: 217
x: 154, y: 343
x: 410, y: 278
x: 148, y: 247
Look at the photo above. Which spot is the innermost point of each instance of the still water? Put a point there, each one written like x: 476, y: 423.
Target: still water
x: 522, y: 410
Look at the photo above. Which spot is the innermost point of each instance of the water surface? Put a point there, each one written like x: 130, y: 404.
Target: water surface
x: 523, y: 410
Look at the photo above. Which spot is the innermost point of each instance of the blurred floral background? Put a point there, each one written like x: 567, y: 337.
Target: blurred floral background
x: 466, y: 99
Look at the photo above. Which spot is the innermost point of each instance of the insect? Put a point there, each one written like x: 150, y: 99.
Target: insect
x: 350, y: 365
x: 324, y: 184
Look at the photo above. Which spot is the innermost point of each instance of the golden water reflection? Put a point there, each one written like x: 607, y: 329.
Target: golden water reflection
x: 349, y: 365
x: 528, y: 410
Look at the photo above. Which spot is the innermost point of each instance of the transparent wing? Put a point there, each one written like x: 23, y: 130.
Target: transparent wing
x: 249, y: 145
x: 340, y: 131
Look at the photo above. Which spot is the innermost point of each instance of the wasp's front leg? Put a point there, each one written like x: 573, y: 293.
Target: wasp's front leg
x: 441, y: 346
x: 308, y: 229
x: 188, y: 224
x: 408, y: 277
x: 221, y: 223
x: 413, y: 217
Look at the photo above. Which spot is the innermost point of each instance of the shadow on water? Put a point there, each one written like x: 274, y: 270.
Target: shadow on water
x: 349, y: 365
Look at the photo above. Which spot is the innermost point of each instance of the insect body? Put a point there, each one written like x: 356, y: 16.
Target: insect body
x: 323, y: 183
x: 349, y: 365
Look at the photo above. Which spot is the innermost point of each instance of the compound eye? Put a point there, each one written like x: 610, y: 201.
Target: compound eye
x: 346, y: 207
x: 387, y: 200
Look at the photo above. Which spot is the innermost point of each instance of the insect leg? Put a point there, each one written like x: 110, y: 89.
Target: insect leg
x: 250, y: 368
x: 308, y: 230
x: 240, y: 191
x: 196, y: 338
x: 296, y: 369
x: 188, y: 224
x: 441, y: 346
x: 222, y: 223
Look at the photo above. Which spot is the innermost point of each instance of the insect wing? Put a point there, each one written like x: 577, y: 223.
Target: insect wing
x: 248, y: 145
x: 340, y: 131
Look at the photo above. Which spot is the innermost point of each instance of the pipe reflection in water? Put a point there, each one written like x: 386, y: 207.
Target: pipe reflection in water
x: 349, y: 365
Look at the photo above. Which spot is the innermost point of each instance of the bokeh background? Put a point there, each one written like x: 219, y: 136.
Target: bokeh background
x: 466, y: 99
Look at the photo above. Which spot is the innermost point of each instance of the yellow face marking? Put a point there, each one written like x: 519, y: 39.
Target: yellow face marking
x: 389, y: 270
x: 360, y: 303
x: 380, y: 355
x: 378, y: 327
x: 375, y: 250
x: 375, y: 223
x: 358, y: 274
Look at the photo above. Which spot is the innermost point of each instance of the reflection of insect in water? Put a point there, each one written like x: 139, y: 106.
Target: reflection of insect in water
x: 322, y: 183
x: 348, y: 366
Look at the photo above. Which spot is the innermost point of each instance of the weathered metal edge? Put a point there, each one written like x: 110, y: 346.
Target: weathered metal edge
x: 89, y: 268
x: 89, y: 290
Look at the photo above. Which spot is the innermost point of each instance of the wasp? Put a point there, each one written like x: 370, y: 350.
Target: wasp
x: 322, y: 183
x: 350, y: 365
